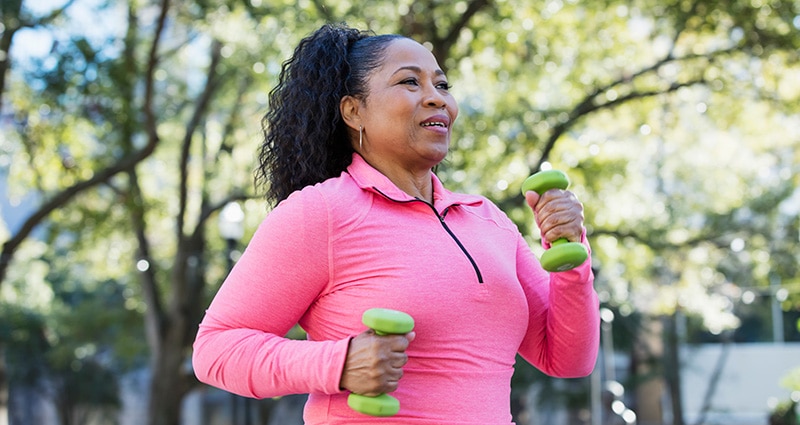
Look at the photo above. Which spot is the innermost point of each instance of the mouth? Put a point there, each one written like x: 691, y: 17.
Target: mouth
x: 440, y: 121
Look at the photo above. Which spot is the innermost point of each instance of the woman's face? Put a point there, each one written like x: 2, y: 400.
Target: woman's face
x: 408, y: 113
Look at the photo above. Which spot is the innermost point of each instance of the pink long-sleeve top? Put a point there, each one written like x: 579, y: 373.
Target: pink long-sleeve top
x: 459, y: 267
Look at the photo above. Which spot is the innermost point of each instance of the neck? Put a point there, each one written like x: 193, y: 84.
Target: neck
x: 420, y: 189
x: 415, y: 183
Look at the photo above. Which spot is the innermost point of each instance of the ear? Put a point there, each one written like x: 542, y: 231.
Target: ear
x: 349, y: 108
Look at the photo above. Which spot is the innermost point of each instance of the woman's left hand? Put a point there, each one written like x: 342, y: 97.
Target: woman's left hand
x: 558, y: 214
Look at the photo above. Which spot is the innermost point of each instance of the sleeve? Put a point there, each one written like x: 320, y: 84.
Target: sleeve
x: 563, y: 334
x: 240, y: 345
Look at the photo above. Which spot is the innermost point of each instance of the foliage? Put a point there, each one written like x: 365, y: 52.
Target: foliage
x: 677, y: 122
x: 792, y: 380
x: 785, y: 414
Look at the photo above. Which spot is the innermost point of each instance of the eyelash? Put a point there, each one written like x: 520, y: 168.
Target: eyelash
x: 442, y: 86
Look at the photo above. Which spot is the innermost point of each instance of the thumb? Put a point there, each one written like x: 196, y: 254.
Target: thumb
x: 532, y: 198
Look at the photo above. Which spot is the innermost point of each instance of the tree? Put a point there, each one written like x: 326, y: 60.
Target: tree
x: 135, y: 140
x: 86, y: 106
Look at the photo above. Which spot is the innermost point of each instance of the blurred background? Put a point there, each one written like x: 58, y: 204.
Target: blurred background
x: 128, y: 132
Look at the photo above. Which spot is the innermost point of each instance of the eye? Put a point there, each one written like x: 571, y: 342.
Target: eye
x: 444, y: 86
x: 412, y: 81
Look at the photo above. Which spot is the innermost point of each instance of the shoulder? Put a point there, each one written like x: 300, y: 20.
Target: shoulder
x: 489, y: 211
x: 337, y: 201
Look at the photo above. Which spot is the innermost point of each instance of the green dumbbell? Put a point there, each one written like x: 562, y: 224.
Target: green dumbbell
x: 384, y: 322
x: 562, y: 255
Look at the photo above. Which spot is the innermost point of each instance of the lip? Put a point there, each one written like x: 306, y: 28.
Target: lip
x: 444, y: 119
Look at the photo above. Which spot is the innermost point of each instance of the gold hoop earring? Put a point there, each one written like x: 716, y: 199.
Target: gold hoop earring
x: 360, y: 138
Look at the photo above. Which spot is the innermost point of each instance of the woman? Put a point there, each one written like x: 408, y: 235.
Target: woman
x: 356, y: 124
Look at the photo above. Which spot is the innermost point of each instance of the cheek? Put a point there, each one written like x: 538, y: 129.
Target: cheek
x: 454, y: 111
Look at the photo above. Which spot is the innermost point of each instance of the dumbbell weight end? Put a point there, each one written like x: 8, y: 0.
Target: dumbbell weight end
x: 564, y: 255
x: 382, y: 405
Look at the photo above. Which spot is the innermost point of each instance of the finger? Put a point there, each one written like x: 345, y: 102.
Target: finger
x: 562, y: 222
x: 532, y: 198
x: 397, y: 343
x: 400, y: 360
x: 561, y: 217
x: 554, y: 198
x: 392, y: 382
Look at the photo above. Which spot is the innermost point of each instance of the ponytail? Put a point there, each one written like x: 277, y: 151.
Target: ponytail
x: 305, y: 138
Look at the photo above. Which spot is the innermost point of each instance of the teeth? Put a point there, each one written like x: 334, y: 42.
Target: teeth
x: 433, y: 124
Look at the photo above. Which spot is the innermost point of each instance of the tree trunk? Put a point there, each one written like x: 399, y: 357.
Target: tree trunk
x: 168, y: 382
x: 650, y: 383
x: 3, y: 387
x: 672, y: 367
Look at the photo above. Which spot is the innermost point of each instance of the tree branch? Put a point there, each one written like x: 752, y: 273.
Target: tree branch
x: 589, y: 104
x: 200, y: 110
x: 154, y: 316
x: 453, y: 32
x: 61, y: 198
x: 149, y: 83
x: 442, y: 45
x: 14, y: 24
x: 324, y: 10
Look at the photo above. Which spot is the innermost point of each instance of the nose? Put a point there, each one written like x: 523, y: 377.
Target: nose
x: 435, y: 98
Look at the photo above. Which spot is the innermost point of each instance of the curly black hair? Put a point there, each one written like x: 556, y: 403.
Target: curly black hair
x: 305, y: 139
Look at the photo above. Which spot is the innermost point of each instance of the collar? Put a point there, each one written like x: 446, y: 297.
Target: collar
x: 370, y: 179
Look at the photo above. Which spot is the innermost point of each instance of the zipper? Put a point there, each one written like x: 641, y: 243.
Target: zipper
x: 446, y: 228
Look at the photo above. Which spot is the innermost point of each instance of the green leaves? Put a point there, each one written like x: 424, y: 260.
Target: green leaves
x: 676, y: 123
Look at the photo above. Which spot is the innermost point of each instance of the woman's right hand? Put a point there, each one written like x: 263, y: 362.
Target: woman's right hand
x: 374, y: 363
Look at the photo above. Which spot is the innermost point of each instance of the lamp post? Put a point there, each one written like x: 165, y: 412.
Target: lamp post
x: 231, y: 229
x: 614, y: 389
x: 231, y: 226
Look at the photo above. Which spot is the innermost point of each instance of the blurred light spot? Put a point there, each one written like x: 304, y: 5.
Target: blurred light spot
x: 629, y: 416
x: 772, y: 402
x: 782, y: 294
x: 616, y: 389
x: 737, y: 245
x: 142, y: 265
x: 527, y: 24
x: 748, y: 297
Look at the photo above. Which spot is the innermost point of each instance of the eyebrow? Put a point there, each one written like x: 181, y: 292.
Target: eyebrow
x: 416, y: 69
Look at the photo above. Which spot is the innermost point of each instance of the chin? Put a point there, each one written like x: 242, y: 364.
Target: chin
x: 437, y: 159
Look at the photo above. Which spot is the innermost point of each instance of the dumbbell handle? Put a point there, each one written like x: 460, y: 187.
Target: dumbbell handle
x: 384, y: 322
